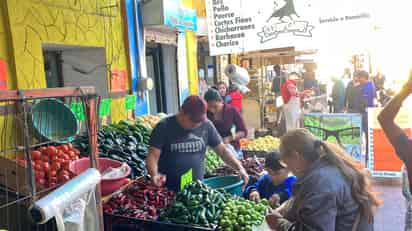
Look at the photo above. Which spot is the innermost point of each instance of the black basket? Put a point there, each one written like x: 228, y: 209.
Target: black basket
x: 122, y: 223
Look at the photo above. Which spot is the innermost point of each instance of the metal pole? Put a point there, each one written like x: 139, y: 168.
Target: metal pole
x: 29, y: 170
x: 92, y: 121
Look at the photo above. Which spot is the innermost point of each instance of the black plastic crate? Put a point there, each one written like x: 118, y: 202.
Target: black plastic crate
x: 122, y: 223
x: 259, y: 154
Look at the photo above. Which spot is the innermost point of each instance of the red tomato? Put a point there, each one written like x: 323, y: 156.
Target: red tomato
x: 66, y: 165
x: 64, y: 172
x: 76, y: 151
x: 55, y: 166
x: 42, y: 182
x: 52, y: 185
x: 38, y: 166
x: 66, y: 157
x: 51, y: 151
x: 54, y: 158
x: 70, y: 153
x: 39, y: 174
x: 52, y: 174
x: 63, y: 178
x: 64, y: 148
x: 35, y: 155
x: 43, y: 150
x: 61, y: 154
x: 53, y: 179
x: 75, y: 158
x: 45, y: 158
x: 46, y: 166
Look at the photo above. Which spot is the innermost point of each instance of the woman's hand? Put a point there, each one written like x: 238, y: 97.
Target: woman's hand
x: 254, y: 196
x: 274, y: 200
x: 273, y: 220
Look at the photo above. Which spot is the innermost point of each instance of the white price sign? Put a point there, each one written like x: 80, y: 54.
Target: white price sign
x: 236, y: 26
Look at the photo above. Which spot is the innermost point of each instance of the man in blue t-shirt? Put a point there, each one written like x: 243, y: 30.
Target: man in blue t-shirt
x: 368, y: 87
x: 178, y: 146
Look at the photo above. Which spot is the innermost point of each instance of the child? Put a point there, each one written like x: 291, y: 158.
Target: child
x: 276, y: 186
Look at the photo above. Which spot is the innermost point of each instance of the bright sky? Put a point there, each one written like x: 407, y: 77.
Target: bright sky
x: 390, y: 46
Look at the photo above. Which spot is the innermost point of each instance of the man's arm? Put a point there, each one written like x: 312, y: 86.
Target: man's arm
x: 241, y: 130
x: 152, y: 160
x: 231, y: 160
x: 387, y: 116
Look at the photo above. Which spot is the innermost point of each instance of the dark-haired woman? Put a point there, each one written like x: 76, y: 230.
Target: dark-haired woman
x: 332, y: 192
x: 221, y: 87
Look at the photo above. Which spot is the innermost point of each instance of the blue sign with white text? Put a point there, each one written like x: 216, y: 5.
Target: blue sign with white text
x: 178, y: 16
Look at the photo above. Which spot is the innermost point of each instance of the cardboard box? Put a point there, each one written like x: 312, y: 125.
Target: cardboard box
x: 13, y: 176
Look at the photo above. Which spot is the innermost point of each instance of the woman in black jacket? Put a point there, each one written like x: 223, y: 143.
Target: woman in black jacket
x: 332, y: 192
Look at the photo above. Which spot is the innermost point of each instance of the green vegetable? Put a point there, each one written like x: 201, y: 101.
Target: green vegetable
x: 200, y: 209
x: 241, y: 214
x: 213, y: 161
x: 125, y: 141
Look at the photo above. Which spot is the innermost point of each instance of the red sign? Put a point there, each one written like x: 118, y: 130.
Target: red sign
x: 3, y: 75
x: 118, y: 81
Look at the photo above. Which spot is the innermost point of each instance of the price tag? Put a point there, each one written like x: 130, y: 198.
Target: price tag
x: 104, y: 109
x: 78, y: 110
x: 130, y: 102
x: 186, y: 179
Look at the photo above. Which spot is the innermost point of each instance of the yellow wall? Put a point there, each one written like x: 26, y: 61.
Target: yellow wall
x: 33, y: 23
x: 5, y: 46
x: 191, y: 53
x: 200, y: 6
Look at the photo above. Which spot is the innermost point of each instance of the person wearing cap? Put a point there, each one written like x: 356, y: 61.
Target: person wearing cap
x: 225, y: 118
x: 178, y: 146
x: 276, y: 186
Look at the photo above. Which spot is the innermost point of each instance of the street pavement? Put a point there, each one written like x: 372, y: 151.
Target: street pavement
x: 390, y: 217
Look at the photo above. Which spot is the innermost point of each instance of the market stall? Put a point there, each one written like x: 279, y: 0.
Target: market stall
x: 262, y: 79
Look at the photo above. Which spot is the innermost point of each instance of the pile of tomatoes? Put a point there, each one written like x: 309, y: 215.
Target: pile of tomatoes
x: 51, y: 164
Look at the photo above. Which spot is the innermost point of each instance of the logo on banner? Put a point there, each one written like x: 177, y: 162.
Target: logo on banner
x: 296, y: 27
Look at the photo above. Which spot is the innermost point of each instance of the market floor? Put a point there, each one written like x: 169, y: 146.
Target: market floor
x: 390, y: 216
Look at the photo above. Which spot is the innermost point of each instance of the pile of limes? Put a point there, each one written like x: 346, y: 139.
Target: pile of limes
x: 241, y: 214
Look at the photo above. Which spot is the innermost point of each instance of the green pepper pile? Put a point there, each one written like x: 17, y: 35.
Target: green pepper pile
x: 241, y: 214
x: 125, y: 141
x: 213, y: 161
x: 196, y: 204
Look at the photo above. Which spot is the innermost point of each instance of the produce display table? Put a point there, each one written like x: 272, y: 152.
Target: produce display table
x: 121, y: 223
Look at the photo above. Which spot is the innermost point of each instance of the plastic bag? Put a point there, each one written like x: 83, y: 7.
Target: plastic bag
x: 80, y: 216
x: 110, y: 172
x: 263, y: 227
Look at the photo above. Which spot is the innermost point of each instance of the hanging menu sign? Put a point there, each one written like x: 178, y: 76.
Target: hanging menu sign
x: 236, y: 26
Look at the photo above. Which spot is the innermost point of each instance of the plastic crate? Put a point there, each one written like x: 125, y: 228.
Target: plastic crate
x: 121, y: 223
x: 259, y: 154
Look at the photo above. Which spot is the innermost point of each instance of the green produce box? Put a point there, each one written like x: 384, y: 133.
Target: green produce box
x: 232, y: 184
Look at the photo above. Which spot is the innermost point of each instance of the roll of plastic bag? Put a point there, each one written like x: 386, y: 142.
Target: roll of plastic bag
x: 54, y: 203
x: 237, y: 74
